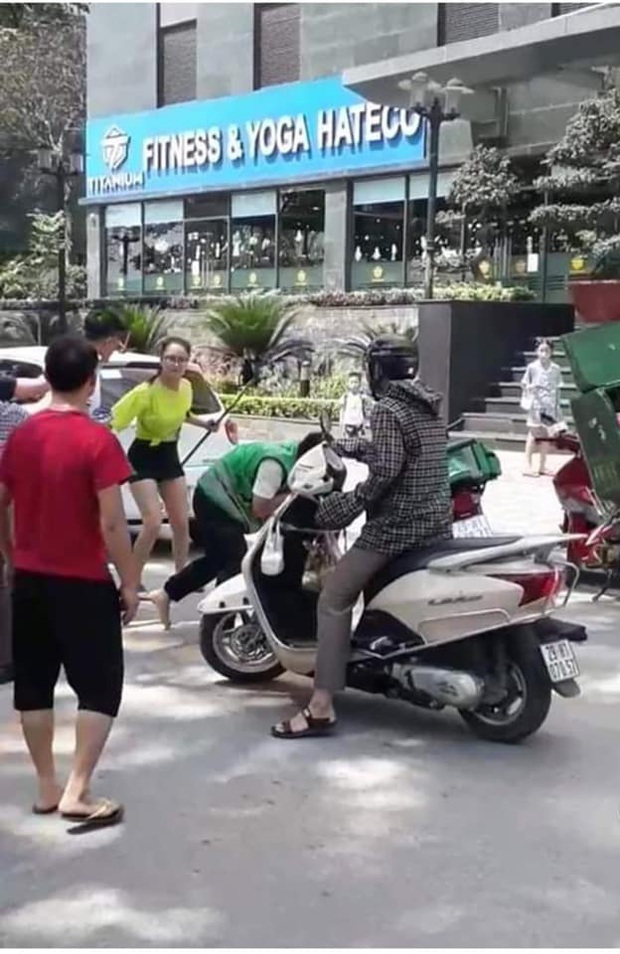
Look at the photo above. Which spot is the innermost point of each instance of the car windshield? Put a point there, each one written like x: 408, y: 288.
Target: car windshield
x: 115, y: 382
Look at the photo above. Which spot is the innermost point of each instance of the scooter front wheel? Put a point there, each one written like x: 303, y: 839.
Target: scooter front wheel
x: 234, y: 645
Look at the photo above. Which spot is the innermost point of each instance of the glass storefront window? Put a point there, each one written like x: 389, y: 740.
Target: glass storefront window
x: 206, y: 256
x: 123, y: 249
x: 163, y: 247
x: 448, y: 258
x: 378, y: 230
x: 302, y: 239
x: 253, y: 241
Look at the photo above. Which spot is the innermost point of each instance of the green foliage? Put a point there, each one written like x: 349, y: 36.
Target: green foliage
x: 356, y: 346
x: 485, y: 182
x: 476, y: 291
x: 255, y: 326
x: 147, y: 326
x: 584, y: 164
x: 307, y: 409
x: 35, y: 274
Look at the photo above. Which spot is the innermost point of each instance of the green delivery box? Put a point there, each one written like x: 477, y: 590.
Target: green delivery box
x: 597, y: 426
x: 470, y: 462
x: 594, y: 356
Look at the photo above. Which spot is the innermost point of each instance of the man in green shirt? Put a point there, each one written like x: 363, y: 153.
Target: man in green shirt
x: 235, y: 496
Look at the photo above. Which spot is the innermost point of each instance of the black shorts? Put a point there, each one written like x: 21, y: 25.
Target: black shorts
x: 71, y: 623
x: 159, y: 462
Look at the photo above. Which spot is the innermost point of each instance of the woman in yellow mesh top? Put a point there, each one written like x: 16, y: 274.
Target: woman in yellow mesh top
x: 160, y: 407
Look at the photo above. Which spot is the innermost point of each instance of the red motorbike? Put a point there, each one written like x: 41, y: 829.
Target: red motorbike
x: 585, y: 514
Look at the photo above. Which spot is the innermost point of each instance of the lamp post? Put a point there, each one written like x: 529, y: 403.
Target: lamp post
x: 62, y: 167
x: 436, y: 104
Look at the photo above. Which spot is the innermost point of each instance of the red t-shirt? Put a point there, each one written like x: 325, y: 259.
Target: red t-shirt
x: 53, y: 466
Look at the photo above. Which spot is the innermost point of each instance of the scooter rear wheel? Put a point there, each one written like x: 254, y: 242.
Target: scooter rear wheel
x: 235, y: 646
x: 527, y: 705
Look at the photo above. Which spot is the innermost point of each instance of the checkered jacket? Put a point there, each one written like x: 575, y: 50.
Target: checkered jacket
x: 11, y: 416
x: 407, y: 494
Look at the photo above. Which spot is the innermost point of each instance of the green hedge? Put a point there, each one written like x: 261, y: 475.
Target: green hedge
x: 307, y: 409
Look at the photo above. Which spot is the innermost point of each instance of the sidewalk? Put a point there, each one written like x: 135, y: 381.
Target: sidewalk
x: 525, y: 505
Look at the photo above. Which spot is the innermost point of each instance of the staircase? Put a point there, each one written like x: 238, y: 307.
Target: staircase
x: 498, y: 418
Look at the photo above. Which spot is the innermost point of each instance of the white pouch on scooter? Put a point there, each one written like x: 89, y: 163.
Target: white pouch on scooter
x: 272, y: 557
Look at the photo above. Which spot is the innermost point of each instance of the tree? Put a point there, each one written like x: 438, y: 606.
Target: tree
x: 256, y: 328
x: 42, y: 91
x: 14, y: 16
x: 482, y: 189
x: 34, y: 275
x: 584, y: 181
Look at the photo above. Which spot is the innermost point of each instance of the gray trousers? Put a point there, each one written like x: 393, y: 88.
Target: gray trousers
x: 334, y: 613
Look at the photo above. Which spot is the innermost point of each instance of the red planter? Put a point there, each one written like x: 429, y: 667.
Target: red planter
x: 595, y: 301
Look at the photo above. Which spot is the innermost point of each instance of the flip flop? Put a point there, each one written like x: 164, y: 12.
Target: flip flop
x: 314, y: 728
x: 107, y: 814
x: 44, y: 811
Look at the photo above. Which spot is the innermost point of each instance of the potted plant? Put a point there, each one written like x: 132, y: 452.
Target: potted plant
x: 581, y: 192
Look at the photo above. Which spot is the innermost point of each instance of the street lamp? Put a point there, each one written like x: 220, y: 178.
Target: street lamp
x: 436, y: 104
x: 62, y: 167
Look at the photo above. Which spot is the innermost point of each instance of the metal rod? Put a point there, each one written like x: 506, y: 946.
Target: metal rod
x: 434, y: 122
x: 62, y: 251
x: 218, y: 421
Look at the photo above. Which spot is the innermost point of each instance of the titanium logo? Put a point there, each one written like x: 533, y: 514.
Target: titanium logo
x: 115, y: 145
x: 115, y: 152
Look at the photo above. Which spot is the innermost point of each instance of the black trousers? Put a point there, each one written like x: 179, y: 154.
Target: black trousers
x: 223, y: 541
x: 71, y: 623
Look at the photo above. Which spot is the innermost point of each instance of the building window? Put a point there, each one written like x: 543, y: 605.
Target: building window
x: 378, y: 230
x: 253, y: 241
x: 176, y: 63
x: 467, y: 21
x: 163, y: 247
x: 207, y: 243
x: 277, y: 56
x: 123, y: 249
x: 560, y: 9
x: 302, y: 239
x: 448, y: 234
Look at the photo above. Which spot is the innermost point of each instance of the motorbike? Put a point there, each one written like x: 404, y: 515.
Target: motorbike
x: 466, y: 623
x: 594, y: 526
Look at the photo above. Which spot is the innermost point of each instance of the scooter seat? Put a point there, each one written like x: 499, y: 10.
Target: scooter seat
x: 420, y: 558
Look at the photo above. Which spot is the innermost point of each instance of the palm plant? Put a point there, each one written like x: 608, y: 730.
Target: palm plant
x: 356, y: 345
x: 256, y: 327
x: 147, y: 326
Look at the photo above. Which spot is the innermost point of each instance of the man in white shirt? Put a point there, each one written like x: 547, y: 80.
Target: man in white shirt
x: 108, y: 334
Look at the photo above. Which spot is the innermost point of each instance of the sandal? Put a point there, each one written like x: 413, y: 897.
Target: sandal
x: 106, y: 814
x: 314, y: 727
x: 37, y: 810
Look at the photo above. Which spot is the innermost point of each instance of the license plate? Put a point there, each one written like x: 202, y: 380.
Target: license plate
x: 560, y: 660
x: 472, y: 527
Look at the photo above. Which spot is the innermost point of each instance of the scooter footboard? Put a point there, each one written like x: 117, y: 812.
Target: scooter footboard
x: 227, y: 597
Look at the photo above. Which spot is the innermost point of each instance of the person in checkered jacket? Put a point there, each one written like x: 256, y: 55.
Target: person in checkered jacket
x: 406, y: 498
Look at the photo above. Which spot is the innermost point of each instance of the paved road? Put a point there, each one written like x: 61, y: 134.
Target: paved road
x: 402, y: 831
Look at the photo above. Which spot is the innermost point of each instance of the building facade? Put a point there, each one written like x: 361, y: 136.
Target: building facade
x: 227, y: 151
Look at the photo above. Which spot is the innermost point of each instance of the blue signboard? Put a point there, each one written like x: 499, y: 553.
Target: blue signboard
x: 277, y: 135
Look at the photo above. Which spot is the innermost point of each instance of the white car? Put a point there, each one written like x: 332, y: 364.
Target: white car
x: 120, y: 374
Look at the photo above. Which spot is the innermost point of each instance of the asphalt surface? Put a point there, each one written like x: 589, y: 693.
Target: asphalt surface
x: 402, y: 830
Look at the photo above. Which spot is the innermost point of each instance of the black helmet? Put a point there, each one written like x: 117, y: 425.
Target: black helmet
x: 390, y: 358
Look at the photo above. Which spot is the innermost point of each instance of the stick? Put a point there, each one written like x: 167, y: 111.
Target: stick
x: 219, y: 420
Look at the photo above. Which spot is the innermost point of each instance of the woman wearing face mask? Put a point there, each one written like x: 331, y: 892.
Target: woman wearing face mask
x: 541, y: 386
x: 160, y: 407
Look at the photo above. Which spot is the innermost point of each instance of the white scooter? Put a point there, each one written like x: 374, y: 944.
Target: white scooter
x: 465, y: 623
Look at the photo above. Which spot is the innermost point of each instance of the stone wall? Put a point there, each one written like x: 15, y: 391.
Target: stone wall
x: 319, y: 324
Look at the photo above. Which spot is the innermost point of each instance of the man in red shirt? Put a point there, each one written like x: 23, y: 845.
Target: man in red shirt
x: 61, y: 472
